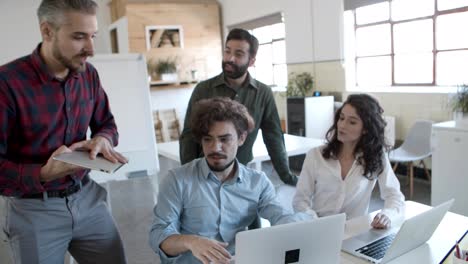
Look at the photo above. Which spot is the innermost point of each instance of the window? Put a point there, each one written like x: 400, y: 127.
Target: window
x: 270, y: 64
x: 408, y: 43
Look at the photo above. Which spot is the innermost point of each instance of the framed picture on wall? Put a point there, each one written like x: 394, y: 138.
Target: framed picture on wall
x: 164, y: 37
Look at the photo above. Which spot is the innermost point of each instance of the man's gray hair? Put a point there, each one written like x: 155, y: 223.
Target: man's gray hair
x: 52, y: 10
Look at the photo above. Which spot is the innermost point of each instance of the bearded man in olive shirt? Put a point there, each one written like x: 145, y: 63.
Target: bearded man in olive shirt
x: 236, y: 83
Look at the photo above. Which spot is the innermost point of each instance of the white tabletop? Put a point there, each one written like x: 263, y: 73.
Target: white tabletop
x: 295, y: 145
x: 459, y: 125
x: 169, y: 150
x: 452, y: 227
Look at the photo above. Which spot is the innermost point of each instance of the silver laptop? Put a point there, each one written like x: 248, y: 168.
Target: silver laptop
x: 380, y: 246
x: 316, y: 241
x: 81, y: 158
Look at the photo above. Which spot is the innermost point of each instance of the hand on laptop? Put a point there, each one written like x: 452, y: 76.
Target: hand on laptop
x: 210, y: 251
x: 54, y: 169
x: 381, y: 221
x: 99, y: 144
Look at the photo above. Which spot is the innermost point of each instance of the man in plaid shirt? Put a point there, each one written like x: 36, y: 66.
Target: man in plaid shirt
x: 48, y: 100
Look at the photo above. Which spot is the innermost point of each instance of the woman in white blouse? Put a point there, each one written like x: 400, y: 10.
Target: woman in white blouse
x: 339, y: 177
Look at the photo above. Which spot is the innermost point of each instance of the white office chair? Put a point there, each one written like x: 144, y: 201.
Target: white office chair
x: 417, y: 146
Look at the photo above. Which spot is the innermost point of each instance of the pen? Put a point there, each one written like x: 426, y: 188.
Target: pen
x: 457, y: 251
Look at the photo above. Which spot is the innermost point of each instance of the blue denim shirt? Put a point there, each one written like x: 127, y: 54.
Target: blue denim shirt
x: 192, y: 200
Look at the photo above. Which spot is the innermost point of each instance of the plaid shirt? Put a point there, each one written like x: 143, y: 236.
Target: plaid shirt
x: 38, y: 114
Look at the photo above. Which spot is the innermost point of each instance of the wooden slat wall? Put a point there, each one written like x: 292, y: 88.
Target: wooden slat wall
x: 174, y: 1
x: 201, y: 34
x: 117, y: 9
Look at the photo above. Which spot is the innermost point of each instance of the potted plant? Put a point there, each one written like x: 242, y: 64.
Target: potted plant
x: 459, y: 103
x: 299, y: 85
x: 151, y: 68
x: 167, y: 69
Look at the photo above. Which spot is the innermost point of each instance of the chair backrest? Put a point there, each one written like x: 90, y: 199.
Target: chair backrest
x: 418, y: 140
x: 158, y: 127
x: 166, y: 125
x: 390, y: 130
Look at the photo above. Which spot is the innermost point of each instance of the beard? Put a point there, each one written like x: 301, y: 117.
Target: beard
x: 68, y: 63
x: 219, y: 168
x: 237, y: 72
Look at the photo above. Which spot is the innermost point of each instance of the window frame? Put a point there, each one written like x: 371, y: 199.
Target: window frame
x: 273, y: 64
x: 392, y: 23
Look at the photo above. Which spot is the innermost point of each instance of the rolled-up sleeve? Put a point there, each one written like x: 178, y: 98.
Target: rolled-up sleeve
x: 394, y: 200
x: 166, y: 214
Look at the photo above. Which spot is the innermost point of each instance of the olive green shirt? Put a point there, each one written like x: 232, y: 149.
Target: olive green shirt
x: 258, y: 98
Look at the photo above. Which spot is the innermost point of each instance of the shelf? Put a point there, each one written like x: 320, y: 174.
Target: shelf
x: 156, y: 83
x: 172, y: 86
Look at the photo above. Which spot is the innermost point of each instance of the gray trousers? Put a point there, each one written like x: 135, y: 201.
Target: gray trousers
x: 41, y: 231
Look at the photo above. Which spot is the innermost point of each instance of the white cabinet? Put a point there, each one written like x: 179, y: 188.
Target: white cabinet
x: 450, y: 165
x: 309, y: 116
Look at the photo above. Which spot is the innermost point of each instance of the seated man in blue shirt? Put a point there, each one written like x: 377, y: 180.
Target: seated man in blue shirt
x: 203, y: 204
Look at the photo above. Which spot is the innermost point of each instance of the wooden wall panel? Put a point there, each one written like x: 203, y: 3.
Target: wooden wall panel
x: 117, y: 9
x: 175, y: 1
x: 201, y: 34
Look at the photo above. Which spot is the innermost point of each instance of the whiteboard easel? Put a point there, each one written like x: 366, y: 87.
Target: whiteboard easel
x: 125, y: 79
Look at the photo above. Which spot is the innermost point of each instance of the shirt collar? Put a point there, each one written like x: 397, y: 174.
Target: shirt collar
x: 39, y: 64
x: 356, y: 158
x: 206, y: 171
x: 220, y: 80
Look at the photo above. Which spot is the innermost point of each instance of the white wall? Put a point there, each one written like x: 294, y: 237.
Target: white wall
x: 167, y: 98
x: 102, y: 43
x: 19, y: 28
x: 313, y: 27
x: 327, y: 19
x: 297, y: 16
x: 121, y: 27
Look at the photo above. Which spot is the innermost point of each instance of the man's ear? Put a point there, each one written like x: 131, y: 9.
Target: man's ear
x: 242, y: 138
x: 252, y: 61
x: 47, y: 31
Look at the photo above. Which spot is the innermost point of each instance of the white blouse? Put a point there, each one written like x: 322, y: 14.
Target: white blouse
x: 321, y: 191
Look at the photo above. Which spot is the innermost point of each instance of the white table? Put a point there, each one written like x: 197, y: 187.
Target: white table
x: 452, y: 227
x: 295, y: 145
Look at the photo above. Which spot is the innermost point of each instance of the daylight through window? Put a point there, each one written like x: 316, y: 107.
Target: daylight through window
x: 409, y: 43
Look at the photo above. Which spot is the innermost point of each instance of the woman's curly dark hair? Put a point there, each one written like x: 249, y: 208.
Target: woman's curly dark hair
x: 219, y: 109
x: 371, y: 144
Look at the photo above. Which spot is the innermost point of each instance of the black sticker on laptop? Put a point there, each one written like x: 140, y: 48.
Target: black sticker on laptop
x: 292, y: 256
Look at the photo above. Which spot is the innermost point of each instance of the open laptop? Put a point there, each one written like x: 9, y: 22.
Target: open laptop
x: 381, y: 246
x: 316, y: 241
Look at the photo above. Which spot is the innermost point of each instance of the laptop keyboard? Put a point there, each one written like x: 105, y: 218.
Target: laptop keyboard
x: 377, y: 249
